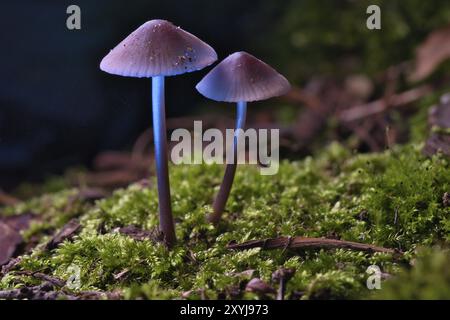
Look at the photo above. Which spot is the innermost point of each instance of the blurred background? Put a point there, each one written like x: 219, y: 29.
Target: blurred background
x: 365, y: 88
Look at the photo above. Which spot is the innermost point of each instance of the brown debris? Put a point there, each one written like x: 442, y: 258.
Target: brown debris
x: 112, y: 160
x: 258, y: 286
x: 440, y: 115
x: 10, y: 240
x: 431, y: 53
x: 91, y: 194
x: 115, y: 170
x: 381, y: 105
x: 141, y: 235
x: 18, y: 222
x: 42, y: 276
x: 66, y: 233
x: 437, y: 143
x: 323, y: 98
x: 10, y: 265
x: 308, y: 243
x: 40, y: 292
x: 85, y: 195
x: 112, y: 179
x: 327, y: 98
x: 7, y: 200
x: 10, y: 237
x: 46, y: 291
x: 299, y: 95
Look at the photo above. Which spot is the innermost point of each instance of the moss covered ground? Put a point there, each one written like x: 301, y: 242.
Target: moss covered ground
x: 392, y: 199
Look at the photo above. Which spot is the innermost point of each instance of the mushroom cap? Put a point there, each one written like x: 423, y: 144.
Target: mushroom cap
x: 158, y: 48
x: 283, y: 274
x: 242, y: 77
x: 258, y: 286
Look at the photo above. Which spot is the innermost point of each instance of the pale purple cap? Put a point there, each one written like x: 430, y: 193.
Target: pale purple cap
x: 242, y: 77
x: 158, y: 48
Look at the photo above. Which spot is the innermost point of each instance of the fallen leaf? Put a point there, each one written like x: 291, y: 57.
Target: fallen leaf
x: 437, y: 143
x: 10, y: 240
x: 431, y: 53
x: 10, y: 237
x: 66, y: 233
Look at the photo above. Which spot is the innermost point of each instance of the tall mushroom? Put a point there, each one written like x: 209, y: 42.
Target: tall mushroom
x: 158, y: 49
x: 239, y: 78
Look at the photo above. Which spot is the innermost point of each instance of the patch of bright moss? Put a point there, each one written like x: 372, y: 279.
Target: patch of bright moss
x: 427, y: 279
x: 391, y: 199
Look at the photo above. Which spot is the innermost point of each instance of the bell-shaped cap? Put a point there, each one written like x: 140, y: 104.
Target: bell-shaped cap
x: 242, y: 77
x: 158, y: 48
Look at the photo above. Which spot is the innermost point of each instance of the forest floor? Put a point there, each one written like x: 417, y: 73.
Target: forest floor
x: 87, y: 243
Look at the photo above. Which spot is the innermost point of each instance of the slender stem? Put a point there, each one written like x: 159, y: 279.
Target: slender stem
x: 162, y: 170
x: 281, y: 289
x: 227, y: 182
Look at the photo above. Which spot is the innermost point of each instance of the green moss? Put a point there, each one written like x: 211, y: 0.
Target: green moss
x: 427, y: 278
x: 342, y: 32
x: 389, y: 199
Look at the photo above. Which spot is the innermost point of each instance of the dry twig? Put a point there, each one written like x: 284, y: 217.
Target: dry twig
x: 308, y: 243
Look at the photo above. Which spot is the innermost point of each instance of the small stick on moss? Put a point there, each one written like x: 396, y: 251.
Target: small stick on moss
x: 379, y: 106
x: 46, y: 291
x: 42, y: 276
x: 308, y: 243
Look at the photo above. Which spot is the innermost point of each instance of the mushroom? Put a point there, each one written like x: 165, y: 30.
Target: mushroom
x: 260, y: 287
x: 240, y: 78
x: 282, y: 276
x: 158, y: 49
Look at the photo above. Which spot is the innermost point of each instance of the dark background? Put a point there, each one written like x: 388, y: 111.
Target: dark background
x: 57, y: 109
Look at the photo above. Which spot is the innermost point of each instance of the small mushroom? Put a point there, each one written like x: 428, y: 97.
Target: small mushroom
x: 282, y: 276
x: 155, y: 50
x: 239, y: 78
x: 258, y: 286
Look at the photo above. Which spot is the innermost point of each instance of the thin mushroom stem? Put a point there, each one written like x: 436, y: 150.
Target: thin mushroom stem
x: 162, y: 170
x: 227, y: 182
x: 281, y: 289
